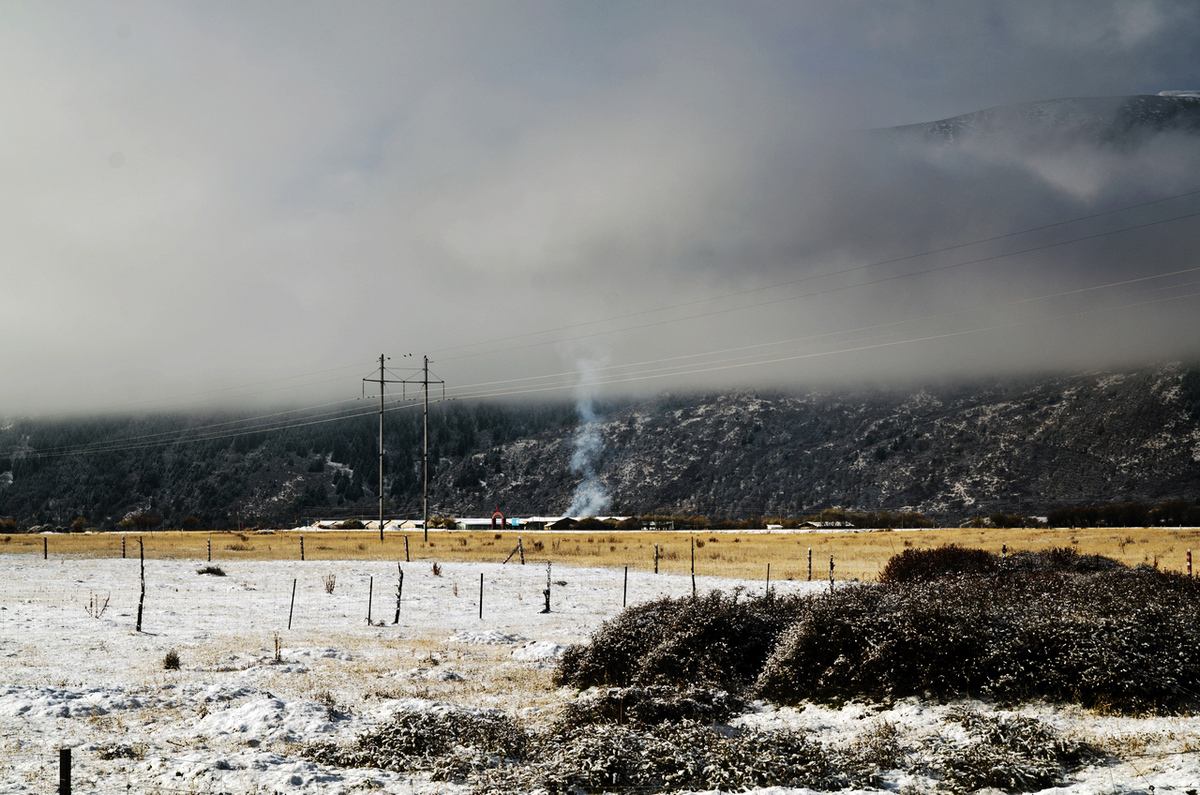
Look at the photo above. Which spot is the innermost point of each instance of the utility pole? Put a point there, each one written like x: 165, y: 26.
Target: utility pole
x: 425, y: 382
x: 381, y: 380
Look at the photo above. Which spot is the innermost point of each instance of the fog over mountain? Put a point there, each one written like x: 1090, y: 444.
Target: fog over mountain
x: 248, y: 206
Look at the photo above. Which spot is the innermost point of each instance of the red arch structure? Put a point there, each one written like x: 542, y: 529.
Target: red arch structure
x: 497, y: 514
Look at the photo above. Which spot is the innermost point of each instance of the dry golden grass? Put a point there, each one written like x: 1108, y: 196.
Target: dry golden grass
x: 726, y: 554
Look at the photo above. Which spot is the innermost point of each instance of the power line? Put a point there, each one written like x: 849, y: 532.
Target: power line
x: 181, y: 432
x: 738, y: 363
x: 840, y: 288
x: 630, y: 377
x: 383, y: 381
x: 424, y: 382
x: 33, y: 455
x: 249, y: 385
x: 823, y: 274
x: 840, y: 332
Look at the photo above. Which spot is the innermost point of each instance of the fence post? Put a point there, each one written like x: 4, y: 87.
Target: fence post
x: 45, y: 548
x: 122, y: 547
x: 768, y: 579
x: 406, y: 560
x: 693, y: 567
x: 292, y: 607
x: 625, y: 589
x: 399, y: 589
x: 301, y: 547
x: 521, y: 549
x: 210, y: 549
x: 546, y: 593
x: 481, y: 595
x: 810, y: 564
x: 1004, y: 550
x: 64, y: 771
x: 656, y: 558
x: 142, y: 595
x: 831, y: 573
x: 1189, y: 563
x: 370, y: 596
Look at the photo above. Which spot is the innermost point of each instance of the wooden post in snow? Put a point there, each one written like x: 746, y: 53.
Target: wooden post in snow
x: 292, y: 606
x: 301, y: 547
x: 625, y: 589
x: 481, y: 595
x: 831, y: 573
x: 399, y: 589
x: 693, y: 567
x: 122, y: 547
x: 656, y: 558
x: 768, y: 579
x: 521, y: 549
x: 142, y: 595
x: 210, y: 549
x: 546, y: 593
x: 64, y: 771
x: 45, y: 548
x: 406, y: 560
x: 370, y: 596
x: 810, y: 564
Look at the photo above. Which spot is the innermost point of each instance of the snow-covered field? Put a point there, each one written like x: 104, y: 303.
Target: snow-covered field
x: 232, y: 718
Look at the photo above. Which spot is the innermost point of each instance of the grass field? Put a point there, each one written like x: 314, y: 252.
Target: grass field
x: 724, y: 554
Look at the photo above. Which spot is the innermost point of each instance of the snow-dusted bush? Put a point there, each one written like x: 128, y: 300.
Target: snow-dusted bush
x: 927, y: 564
x: 650, y: 705
x: 110, y: 751
x: 491, y: 753
x: 670, y: 758
x: 1012, y: 754
x: 913, y: 565
x: 719, y: 640
x: 427, y: 739
x: 1122, y: 639
x: 1060, y: 559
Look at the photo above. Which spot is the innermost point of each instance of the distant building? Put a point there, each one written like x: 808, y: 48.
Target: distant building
x: 473, y: 523
x: 829, y: 525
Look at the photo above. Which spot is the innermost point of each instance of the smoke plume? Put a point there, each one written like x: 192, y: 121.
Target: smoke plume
x: 590, y: 498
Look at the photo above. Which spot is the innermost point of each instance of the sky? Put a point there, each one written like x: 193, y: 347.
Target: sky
x: 247, y: 203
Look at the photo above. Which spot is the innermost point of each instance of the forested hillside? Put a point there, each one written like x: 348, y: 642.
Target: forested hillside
x: 1026, y: 446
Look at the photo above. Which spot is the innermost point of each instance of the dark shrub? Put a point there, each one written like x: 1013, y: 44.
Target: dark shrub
x: 1012, y: 754
x: 1061, y: 559
x: 171, y: 660
x: 352, y: 524
x: 650, y: 705
x: 423, y: 739
x: 215, y: 571
x: 719, y: 640
x: 673, y: 757
x: 1122, y: 639
x: 925, y: 564
x: 914, y: 565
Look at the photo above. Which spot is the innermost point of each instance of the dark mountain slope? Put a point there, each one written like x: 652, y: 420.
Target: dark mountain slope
x: 954, y: 451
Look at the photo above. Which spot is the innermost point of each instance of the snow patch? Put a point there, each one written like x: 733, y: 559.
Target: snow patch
x: 57, y: 702
x: 268, y: 718
x: 539, y: 651
x: 486, y: 637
